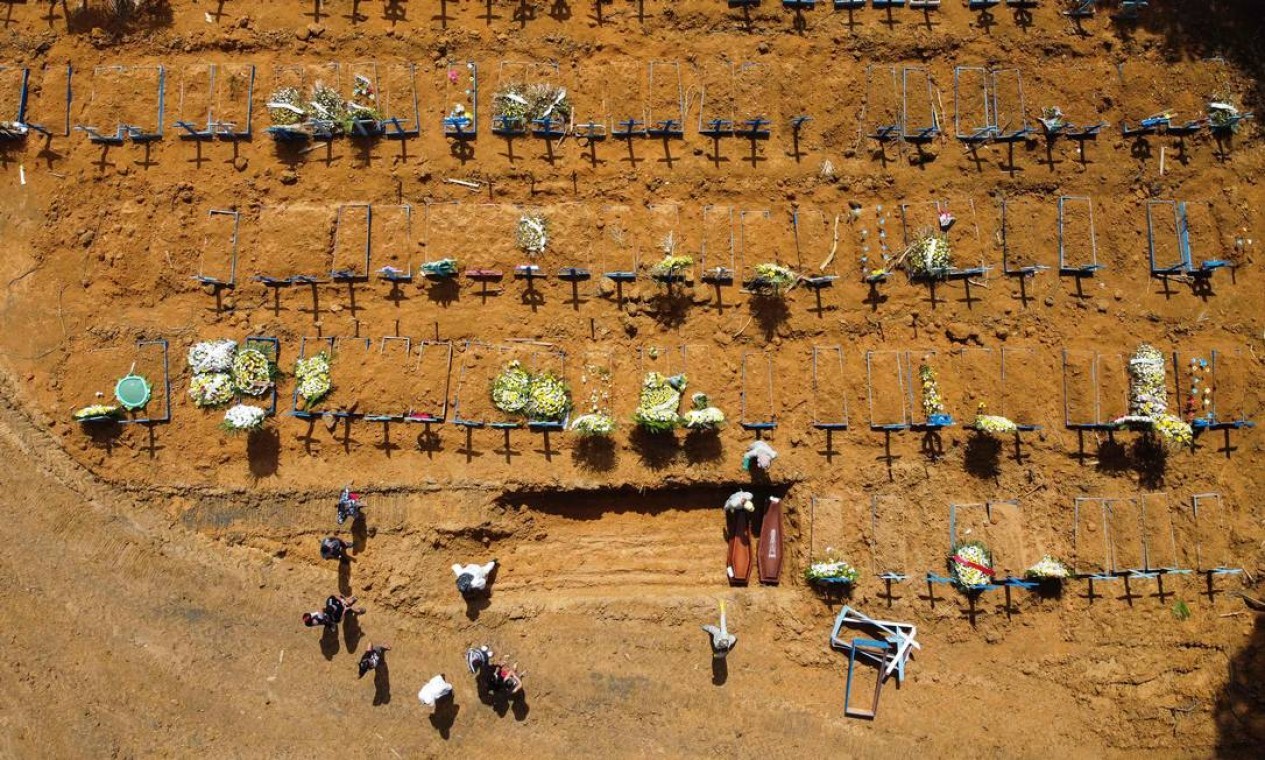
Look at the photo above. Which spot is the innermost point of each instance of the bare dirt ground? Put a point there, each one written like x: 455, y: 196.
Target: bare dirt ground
x: 156, y: 573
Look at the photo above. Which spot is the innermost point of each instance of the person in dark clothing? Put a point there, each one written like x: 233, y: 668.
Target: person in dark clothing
x: 349, y: 506
x: 372, y: 658
x: 335, y: 548
x: 336, y: 606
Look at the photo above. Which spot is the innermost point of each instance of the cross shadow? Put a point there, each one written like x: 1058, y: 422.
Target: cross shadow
x: 720, y: 671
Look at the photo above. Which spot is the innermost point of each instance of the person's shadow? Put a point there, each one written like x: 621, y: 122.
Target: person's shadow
x: 477, y: 604
x: 329, y: 641
x: 344, y: 577
x: 382, y: 684
x: 504, y: 703
x: 352, y: 632
x: 720, y: 671
x: 446, y: 709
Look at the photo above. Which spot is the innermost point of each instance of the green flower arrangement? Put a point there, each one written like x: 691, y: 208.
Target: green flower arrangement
x: 928, y: 256
x: 657, y: 406
x: 96, y: 411
x: 549, y: 399
x: 671, y: 266
x: 286, y: 107
x: 313, y: 376
x: 774, y: 278
x: 971, y: 566
x: 253, y: 372
x: 209, y: 389
x: 511, y: 389
x: 993, y: 424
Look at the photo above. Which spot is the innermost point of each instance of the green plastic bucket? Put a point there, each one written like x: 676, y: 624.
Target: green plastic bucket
x: 132, y: 391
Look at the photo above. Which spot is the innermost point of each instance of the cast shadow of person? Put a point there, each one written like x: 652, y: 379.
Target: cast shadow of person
x: 446, y: 709
x: 517, y: 703
x: 329, y: 641
x: 478, y: 602
x: 352, y: 631
x: 720, y: 671
x: 382, y: 684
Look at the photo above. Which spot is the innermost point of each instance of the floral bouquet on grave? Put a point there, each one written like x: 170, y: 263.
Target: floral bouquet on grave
x: 97, y: 411
x: 831, y: 569
x: 774, y: 279
x: 328, y: 105
x: 286, y: 107
x: 1175, y: 432
x: 1048, y: 569
x: 253, y: 372
x: 932, y: 402
x: 548, y: 398
x: 313, y: 376
x: 703, y: 416
x: 928, y: 256
x: 1051, y: 119
x: 208, y: 389
x: 657, y: 406
x: 971, y: 566
x: 1147, y: 394
x: 243, y: 419
x: 593, y: 425
x: 212, y: 356
x: 523, y: 104
x: 511, y: 388
x: 532, y: 234
x: 364, y: 103
x: 993, y: 424
x: 671, y: 267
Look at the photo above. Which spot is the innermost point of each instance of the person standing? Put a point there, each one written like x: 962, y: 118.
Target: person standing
x: 372, y: 658
x: 434, y: 690
x: 472, y: 579
x: 722, y: 640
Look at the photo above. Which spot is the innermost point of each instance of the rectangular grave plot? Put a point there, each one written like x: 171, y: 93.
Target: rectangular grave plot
x: 922, y: 404
x: 310, y: 346
x: 292, y: 240
x: 752, y: 96
x: 1113, y: 383
x: 351, y: 258
x: 214, y: 240
x: 1010, y: 104
x: 125, y: 96
x: 614, y: 242
x: 1164, y: 224
x: 1028, y: 385
x: 888, y: 537
x: 391, y: 241
x: 718, y: 107
x: 881, y: 112
x: 831, y: 387
x: 918, y: 107
x: 1081, y: 392
x: 666, y: 97
x: 593, y: 382
x: 1214, y: 547
x: 666, y: 232
x: 630, y: 369
x: 1029, y: 233
x: 430, y: 390
x: 973, y: 378
x: 715, y: 373
x: 444, y: 234
x: 1159, y: 532
x: 1001, y: 526
x: 1077, y: 234
x: 888, y: 389
x: 1126, y: 535
x: 495, y: 228
x: 818, y: 238
x: 1091, y: 544
x: 760, y: 402
x: 973, y: 106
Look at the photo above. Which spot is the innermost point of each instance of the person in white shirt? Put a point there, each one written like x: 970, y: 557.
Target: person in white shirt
x: 722, y: 640
x: 472, y: 579
x: 434, y: 690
